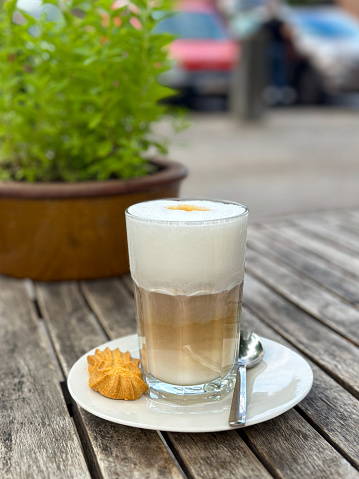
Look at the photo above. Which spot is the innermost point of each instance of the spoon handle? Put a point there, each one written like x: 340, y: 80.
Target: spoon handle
x: 237, y: 416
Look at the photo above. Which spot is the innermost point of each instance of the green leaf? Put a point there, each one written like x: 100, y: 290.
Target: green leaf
x: 104, y: 148
x: 10, y: 6
x: 95, y: 120
x: 90, y: 60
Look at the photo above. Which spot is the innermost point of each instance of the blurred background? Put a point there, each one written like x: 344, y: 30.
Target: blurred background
x: 272, y: 89
x: 273, y: 93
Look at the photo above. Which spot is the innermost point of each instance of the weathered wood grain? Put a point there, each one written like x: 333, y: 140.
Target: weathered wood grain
x: 291, y: 449
x: 270, y: 243
x: 353, y: 222
x: 330, y: 232
x: 345, y: 221
x: 345, y: 216
x: 342, y: 259
x: 72, y: 326
x: 222, y: 455
x: 37, y: 438
x: 328, y: 406
x: 333, y: 353
x: 112, y: 450
x: 117, y: 451
x: 307, y: 294
x: 113, y: 304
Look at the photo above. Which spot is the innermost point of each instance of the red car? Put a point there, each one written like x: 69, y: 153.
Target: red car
x: 204, y: 52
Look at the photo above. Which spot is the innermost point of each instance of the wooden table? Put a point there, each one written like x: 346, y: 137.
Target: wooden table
x: 301, y: 290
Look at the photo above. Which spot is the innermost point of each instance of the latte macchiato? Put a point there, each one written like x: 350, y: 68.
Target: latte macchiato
x: 187, y: 264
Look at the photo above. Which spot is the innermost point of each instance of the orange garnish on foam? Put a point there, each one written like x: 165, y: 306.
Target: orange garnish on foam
x: 188, y: 208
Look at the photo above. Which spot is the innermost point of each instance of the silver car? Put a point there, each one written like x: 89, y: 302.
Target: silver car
x: 328, y: 40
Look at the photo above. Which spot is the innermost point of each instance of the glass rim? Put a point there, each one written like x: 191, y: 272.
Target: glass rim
x: 194, y: 223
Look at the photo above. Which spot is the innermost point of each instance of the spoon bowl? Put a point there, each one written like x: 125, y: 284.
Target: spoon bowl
x: 250, y: 349
x: 250, y: 354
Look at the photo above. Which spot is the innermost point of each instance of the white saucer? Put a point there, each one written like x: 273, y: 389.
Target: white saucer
x: 279, y: 382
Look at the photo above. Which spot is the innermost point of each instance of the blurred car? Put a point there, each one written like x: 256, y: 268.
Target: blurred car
x: 205, y: 55
x: 326, y: 42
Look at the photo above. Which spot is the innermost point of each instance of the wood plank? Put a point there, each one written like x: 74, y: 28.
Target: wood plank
x: 348, y: 223
x: 330, y: 233
x: 354, y: 217
x: 287, y: 220
x: 71, y: 324
x: 332, y: 409
x: 222, y: 455
x: 113, y: 450
x: 33, y: 415
x: 341, y: 259
x: 338, y: 230
x: 291, y: 449
x: 113, y: 304
x: 271, y: 243
x: 125, y: 452
x: 333, y: 353
x: 306, y: 294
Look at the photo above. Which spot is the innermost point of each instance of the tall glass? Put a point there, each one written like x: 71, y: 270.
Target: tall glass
x: 187, y: 264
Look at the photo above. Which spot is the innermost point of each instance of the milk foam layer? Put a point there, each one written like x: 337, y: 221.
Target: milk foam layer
x: 160, y: 210
x: 186, y: 252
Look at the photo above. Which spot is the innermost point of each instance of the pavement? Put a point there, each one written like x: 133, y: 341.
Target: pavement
x: 295, y: 160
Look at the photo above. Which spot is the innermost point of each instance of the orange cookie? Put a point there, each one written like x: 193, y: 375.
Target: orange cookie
x: 107, y: 358
x: 116, y: 375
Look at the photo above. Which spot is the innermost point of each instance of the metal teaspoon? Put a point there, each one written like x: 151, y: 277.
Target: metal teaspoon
x: 250, y: 353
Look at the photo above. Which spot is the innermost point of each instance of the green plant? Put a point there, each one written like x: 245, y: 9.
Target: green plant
x: 79, y: 91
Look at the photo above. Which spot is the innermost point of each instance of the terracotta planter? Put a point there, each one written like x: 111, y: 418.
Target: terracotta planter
x: 64, y: 231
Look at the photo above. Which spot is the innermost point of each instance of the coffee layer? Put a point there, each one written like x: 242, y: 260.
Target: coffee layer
x: 188, y: 340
